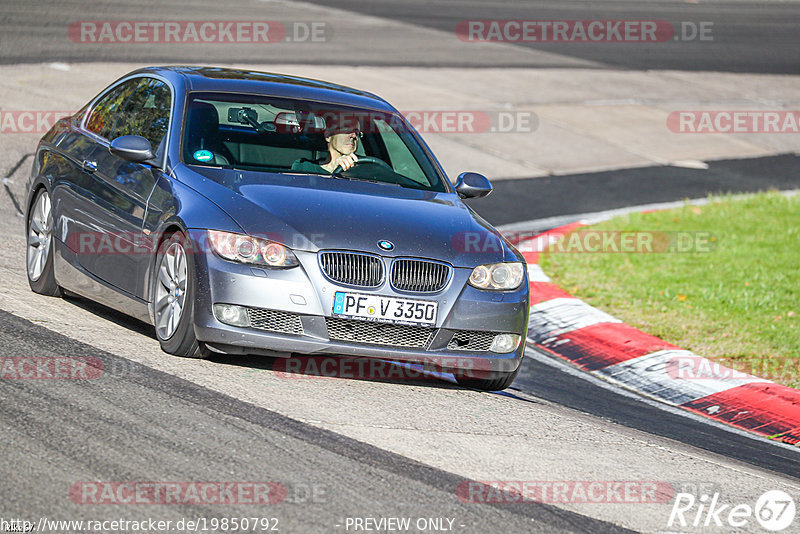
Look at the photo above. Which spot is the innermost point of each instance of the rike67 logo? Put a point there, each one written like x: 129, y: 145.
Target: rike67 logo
x: 773, y: 511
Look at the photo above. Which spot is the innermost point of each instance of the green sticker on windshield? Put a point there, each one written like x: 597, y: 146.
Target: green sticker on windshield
x: 203, y: 155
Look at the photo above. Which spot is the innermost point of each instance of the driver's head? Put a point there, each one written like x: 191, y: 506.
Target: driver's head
x: 342, y: 132
x: 343, y: 142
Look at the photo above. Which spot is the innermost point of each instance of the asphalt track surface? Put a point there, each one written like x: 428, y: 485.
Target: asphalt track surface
x: 757, y: 37
x: 514, y: 201
x: 747, y: 36
x: 136, y: 421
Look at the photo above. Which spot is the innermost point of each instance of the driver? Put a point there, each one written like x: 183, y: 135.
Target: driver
x: 342, y: 145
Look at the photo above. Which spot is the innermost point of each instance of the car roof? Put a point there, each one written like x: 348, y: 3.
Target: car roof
x: 209, y: 79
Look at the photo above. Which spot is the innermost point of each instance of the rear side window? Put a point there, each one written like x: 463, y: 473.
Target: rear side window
x: 137, y: 107
x: 105, y: 113
x: 145, y: 112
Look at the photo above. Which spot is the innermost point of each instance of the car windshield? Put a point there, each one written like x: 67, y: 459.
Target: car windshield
x: 281, y: 135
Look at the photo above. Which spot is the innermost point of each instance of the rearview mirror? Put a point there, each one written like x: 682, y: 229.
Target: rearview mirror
x: 242, y: 115
x: 473, y: 185
x: 286, y: 121
x: 132, y: 148
x: 249, y: 116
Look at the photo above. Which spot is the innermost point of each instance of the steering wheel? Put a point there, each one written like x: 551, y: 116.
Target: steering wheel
x: 402, y: 180
x: 366, y: 159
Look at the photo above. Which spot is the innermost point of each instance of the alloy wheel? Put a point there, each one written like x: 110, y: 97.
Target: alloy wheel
x: 40, y: 233
x: 170, y: 290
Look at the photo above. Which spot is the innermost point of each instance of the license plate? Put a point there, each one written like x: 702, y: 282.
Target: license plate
x: 385, y: 309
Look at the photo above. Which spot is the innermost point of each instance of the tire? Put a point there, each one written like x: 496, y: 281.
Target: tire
x: 39, y: 251
x: 173, y: 299
x: 498, y: 381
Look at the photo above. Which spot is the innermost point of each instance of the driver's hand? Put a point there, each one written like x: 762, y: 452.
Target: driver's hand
x: 346, y: 162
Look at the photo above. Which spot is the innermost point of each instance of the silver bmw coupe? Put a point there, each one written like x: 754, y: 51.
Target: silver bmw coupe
x: 243, y: 212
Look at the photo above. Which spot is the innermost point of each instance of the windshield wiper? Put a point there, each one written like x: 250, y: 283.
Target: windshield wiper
x: 372, y: 181
x: 339, y: 175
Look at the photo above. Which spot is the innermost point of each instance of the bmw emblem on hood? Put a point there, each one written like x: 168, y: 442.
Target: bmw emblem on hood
x: 385, y: 245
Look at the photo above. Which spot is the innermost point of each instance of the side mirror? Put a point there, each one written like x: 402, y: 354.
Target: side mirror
x: 472, y: 185
x: 132, y: 148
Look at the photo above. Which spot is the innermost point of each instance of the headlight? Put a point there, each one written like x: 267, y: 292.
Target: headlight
x: 497, y: 276
x: 252, y: 250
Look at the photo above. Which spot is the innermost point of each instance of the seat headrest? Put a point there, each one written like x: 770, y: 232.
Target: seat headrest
x: 203, y: 122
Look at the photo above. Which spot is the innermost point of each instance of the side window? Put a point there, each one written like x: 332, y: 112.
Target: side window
x: 145, y: 112
x: 106, y: 111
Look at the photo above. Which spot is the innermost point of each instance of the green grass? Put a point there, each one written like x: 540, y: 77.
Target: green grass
x: 738, y: 302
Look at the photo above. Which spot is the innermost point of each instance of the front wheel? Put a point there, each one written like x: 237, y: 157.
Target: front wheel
x: 39, y: 252
x: 173, y: 299
x: 497, y: 381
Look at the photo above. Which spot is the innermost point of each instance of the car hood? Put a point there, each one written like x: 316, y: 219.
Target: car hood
x: 310, y: 212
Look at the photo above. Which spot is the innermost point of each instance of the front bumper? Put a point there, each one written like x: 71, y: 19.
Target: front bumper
x: 305, y: 296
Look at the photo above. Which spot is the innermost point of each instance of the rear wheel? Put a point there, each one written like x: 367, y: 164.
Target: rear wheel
x: 173, y: 299
x: 39, y: 253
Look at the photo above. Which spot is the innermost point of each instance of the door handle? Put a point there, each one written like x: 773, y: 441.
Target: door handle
x: 89, y: 166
